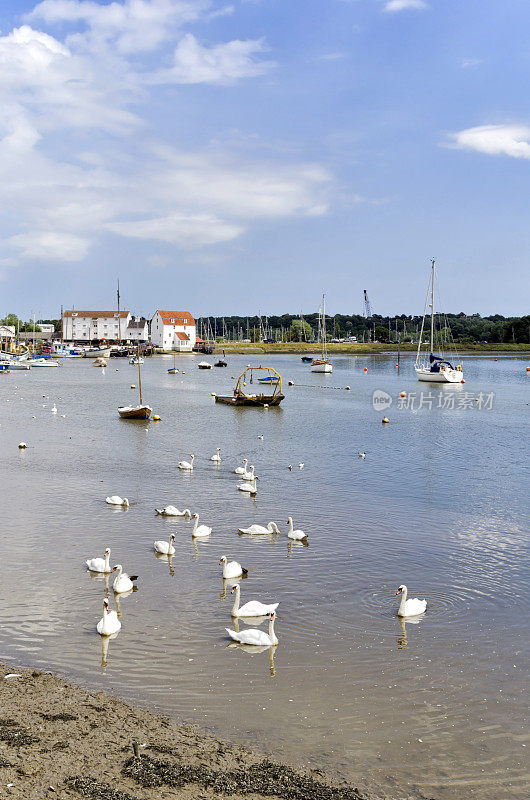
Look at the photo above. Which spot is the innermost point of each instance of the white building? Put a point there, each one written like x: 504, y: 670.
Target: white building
x: 85, y: 326
x: 137, y: 330
x: 173, y: 330
x: 46, y: 327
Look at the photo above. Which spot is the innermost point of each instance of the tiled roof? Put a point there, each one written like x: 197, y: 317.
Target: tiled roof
x: 95, y: 314
x: 180, y: 317
x: 182, y: 336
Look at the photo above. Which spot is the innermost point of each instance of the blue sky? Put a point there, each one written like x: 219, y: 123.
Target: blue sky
x: 242, y: 155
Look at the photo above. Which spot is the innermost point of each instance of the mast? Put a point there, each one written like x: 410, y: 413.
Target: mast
x: 139, y: 375
x: 119, y: 318
x: 432, y: 306
x: 324, y: 350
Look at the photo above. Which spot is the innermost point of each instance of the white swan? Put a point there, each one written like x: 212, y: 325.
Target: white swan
x: 115, y: 500
x: 412, y: 607
x: 109, y: 623
x: 255, y: 530
x: 232, y: 569
x: 249, y: 476
x: 201, y: 530
x: 122, y: 581
x: 297, y: 535
x: 251, y: 609
x: 99, y: 564
x: 165, y: 547
x: 254, y: 636
x: 243, y: 469
x: 249, y: 487
x: 217, y: 456
x: 54, y: 409
x: 187, y: 464
x: 171, y: 511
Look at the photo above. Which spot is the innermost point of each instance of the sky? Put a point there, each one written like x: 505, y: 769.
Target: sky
x: 244, y: 156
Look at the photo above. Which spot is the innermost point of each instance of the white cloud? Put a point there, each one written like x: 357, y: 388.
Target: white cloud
x: 187, y: 230
x: 339, y: 56
x: 471, y: 62
x: 49, y: 246
x: 403, y: 5
x: 220, y: 64
x: 495, y: 140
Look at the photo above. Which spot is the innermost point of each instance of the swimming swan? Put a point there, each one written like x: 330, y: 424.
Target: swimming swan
x: 171, y: 511
x: 249, y: 487
x: 109, y: 623
x: 249, y: 476
x: 251, y: 609
x: 122, y: 581
x: 187, y: 464
x: 217, y: 456
x: 99, y: 564
x: 232, y: 569
x: 243, y: 469
x: 202, y: 530
x: 254, y: 636
x: 412, y: 607
x: 297, y: 535
x: 115, y: 500
x: 165, y: 547
x: 255, y: 530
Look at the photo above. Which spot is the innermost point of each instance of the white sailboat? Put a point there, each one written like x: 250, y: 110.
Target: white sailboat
x: 141, y: 411
x: 434, y: 368
x: 322, y: 364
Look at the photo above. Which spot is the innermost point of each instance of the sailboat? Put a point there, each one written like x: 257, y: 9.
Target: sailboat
x: 434, y: 368
x: 140, y: 411
x: 322, y: 364
x: 173, y: 370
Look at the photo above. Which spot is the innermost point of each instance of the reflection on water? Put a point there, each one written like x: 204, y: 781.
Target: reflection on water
x: 437, y: 505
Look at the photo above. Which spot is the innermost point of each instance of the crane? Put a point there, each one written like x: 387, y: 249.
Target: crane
x: 367, y: 306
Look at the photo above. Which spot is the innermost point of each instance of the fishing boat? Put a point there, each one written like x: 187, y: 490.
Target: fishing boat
x: 435, y: 368
x: 242, y: 397
x: 204, y: 365
x: 322, y: 364
x: 141, y: 411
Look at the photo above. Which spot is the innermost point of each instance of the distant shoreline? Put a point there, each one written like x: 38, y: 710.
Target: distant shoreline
x: 302, y: 348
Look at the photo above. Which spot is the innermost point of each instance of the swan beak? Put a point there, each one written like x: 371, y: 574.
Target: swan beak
x: 398, y: 591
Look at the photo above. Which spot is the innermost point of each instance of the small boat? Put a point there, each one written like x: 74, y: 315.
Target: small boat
x: 100, y: 362
x: 243, y: 398
x: 135, y: 360
x: 268, y: 379
x: 204, y: 365
x: 16, y: 364
x: 94, y: 352
x: 220, y: 363
x: 43, y: 362
x: 173, y: 370
x: 322, y: 364
x: 141, y: 411
x: 4, y: 367
x: 436, y: 369
x: 307, y: 359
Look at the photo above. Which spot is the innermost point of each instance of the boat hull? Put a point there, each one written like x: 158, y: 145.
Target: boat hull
x: 251, y: 400
x: 321, y: 366
x: 18, y: 365
x: 446, y: 375
x: 135, y: 412
x: 103, y: 352
x: 43, y: 362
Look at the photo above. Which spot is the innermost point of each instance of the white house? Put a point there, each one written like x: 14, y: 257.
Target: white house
x: 84, y: 326
x: 137, y: 330
x: 46, y: 327
x: 173, y: 330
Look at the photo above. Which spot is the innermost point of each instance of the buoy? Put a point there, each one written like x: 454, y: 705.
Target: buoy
x: 397, y: 365
x: 462, y: 381
x: 22, y: 446
x: 347, y: 388
x: 366, y: 369
x: 528, y: 369
x: 156, y: 418
x: 476, y: 399
x: 265, y: 405
x: 117, y: 370
x: 290, y: 383
x: 496, y: 359
x: 385, y: 420
x: 133, y: 386
x: 402, y: 394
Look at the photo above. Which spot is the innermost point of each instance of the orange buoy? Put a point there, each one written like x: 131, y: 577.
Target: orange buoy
x: 397, y: 365
x: 402, y: 394
x: 528, y: 369
x: 366, y: 369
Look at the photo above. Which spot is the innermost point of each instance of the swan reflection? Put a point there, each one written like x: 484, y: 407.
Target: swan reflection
x: 295, y: 545
x: 402, y: 641
x: 100, y: 576
x: 120, y: 596
x: 253, y: 650
x: 229, y: 583
x: 167, y: 559
x: 105, y: 648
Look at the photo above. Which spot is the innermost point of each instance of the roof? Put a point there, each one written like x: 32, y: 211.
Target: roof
x: 178, y: 316
x: 95, y: 314
x: 137, y: 323
x: 182, y: 336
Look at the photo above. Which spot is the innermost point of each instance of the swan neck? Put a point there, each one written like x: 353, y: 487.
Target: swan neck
x: 272, y: 635
x: 196, y: 523
x: 235, y: 607
x: 290, y: 524
x: 403, y: 601
x: 107, y: 562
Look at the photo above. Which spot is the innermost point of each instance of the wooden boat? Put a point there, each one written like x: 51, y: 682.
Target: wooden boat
x: 140, y: 411
x: 204, y: 365
x: 102, y: 352
x: 241, y: 397
x: 100, y: 362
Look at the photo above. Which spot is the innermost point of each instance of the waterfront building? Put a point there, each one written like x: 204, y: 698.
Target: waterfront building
x: 137, y: 330
x: 87, y: 326
x: 173, y: 330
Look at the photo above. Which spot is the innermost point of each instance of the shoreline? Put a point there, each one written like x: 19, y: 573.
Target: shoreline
x: 294, y: 348
x: 60, y: 740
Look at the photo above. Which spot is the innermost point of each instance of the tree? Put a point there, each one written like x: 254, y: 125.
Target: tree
x: 381, y: 334
x: 300, y: 331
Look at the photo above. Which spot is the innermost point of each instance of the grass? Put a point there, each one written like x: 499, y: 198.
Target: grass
x: 359, y: 348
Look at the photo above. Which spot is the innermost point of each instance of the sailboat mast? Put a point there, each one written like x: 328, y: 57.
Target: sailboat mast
x: 139, y: 375
x: 432, y: 307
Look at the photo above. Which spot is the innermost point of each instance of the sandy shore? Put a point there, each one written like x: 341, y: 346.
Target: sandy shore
x: 59, y: 740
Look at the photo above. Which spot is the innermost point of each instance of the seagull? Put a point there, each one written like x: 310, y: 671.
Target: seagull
x: 290, y: 468
x: 260, y: 437
x: 301, y: 465
x: 362, y: 455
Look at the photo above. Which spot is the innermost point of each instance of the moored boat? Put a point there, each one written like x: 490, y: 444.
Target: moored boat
x: 244, y: 398
x: 43, y: 362
x: 100, y: 362
x: 322, y: 364
x: 140, y: 411
x: 94, y: 352
x: 204, y: 365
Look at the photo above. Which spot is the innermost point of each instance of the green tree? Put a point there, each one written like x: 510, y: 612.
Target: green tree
x: 381, y: 334
x: 300, y: 331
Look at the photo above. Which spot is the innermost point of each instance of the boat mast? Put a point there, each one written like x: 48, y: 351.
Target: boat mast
x: 432, y: 306
x: 139, y: 375
x: 324, y: 352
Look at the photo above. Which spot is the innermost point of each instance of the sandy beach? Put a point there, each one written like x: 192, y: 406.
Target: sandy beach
x: 60, y: 740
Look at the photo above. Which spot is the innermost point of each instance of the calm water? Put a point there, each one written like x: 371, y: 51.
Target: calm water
x: 439, y: 503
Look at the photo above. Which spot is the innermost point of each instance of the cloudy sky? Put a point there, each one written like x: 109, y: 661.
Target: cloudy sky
x: 230, y: 156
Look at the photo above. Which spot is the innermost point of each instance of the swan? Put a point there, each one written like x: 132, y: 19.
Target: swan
x: 165, y: 547
x: 251, y: 609
x: 232, y: 569
x: 54, y: 409
x: 248, y: 486
x: 99, y: 564
x: 254, y: 636
x: 187, y: 464
x: 115, y: 500
x: 249, y: 476
x: 255, y: 530
x: 171, y: 511
x: 297, y: 535
x: 122, y: 581
x: 410, y: 608
x: 202, y: 530
x: 109, y: 623
x: 217, y: 456
x: 243, y: 469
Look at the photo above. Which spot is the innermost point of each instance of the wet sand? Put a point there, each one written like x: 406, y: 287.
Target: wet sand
x: 59, y: 740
